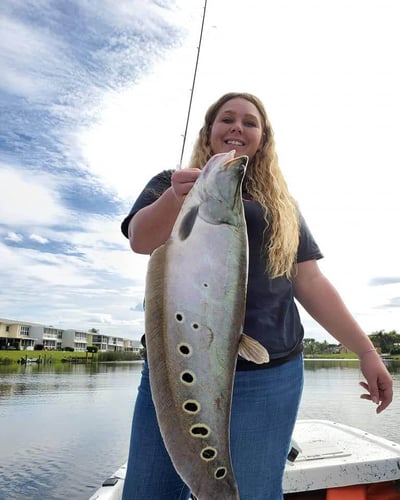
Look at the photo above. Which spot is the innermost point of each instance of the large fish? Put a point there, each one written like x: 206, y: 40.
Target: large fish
x: 195, y: 305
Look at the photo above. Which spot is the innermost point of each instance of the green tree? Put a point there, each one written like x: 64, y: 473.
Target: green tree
x: 310, y: 346
x: 386, y: 342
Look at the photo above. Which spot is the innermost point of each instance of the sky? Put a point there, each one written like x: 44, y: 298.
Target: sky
x: 94, y: 97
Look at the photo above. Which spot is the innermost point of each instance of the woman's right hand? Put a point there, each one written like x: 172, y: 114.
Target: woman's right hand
x: 182, y: 182
x: 152, y: 225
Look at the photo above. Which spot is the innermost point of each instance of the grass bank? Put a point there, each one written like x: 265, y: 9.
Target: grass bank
x: 343, y: 356
x: 331, y: 356
x: 9, y: 357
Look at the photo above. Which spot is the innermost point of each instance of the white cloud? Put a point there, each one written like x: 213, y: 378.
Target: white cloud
x: 14, y: 237
x: 140, y: 129
x: 29, y: 198
x: 28, y: 58
x: 38, y: 269
x: 145, y: 16
x: 38, y: 239
x: 99, y: 318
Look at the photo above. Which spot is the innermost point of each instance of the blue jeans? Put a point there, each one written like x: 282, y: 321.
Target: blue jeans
x: 264, y: 410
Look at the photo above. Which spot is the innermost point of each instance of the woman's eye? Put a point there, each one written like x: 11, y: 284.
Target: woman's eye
x: 250, y: 124
x: 227, y: 120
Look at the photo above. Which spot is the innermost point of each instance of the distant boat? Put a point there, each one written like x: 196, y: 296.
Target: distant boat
x: 328, y: 461
x: 26, y: 360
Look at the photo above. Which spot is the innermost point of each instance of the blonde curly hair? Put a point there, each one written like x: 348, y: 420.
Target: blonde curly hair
x: 265, y: 183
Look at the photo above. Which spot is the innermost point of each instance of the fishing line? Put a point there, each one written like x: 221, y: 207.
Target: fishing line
x: 193, y: 84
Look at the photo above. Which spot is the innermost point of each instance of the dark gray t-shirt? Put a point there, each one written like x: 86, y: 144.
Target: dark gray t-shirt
x: 271, y: 313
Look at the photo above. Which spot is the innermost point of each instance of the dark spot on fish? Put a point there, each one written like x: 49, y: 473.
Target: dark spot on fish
x: 205, y: 285
x: 187, y: 223
x: 217, y: 403
x: 208, y: 453
x: 185, y: 349
x: 187, y: 377
x: 195, y: 326
x: 220, y: 473
x: 200, y: 430
x: 191, y: 406
x: 179, y: 317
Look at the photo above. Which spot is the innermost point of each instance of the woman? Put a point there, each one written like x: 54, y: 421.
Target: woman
x: 282, y: 266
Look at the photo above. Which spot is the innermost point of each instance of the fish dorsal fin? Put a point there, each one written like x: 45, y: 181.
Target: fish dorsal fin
x: 251, y: 350
x: 188, y: 222
x: 154, y: 290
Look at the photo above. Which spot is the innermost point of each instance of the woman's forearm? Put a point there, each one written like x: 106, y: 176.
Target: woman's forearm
x: 321, y: 300
x: 152, y: 225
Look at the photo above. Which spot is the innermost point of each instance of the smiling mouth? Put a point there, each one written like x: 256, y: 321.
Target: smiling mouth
x: 234, y: 143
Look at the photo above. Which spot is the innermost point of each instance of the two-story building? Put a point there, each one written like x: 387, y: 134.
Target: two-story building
x: 16, y: 334
x: 115, y: 344
x: 133, y: 346
x: 48, y: 336
x: 25, y: 336
x: 100, y: 341
x: 75, y: 339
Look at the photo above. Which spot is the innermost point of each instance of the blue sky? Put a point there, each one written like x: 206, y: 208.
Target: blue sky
x: 93, y: 100
x: 60, y: 240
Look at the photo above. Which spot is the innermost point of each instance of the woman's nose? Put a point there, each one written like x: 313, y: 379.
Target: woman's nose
x: 236, y: 127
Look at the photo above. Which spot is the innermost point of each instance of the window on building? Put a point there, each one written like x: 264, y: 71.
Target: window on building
x: 24, y: 330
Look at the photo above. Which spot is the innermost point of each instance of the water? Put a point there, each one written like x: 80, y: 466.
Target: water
x: 332, y: 392
x: 63, y: 429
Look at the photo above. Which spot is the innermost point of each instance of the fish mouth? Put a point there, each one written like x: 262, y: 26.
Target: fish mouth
x: 229, y: 158
x: 233, y: 160
x: 241, y: 163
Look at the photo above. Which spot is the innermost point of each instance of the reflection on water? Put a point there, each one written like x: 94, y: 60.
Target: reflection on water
x: 344, y: 364
x: 332, y: 391
x: 34, y: 378
x: 64, y: 428
x: 323, y: 364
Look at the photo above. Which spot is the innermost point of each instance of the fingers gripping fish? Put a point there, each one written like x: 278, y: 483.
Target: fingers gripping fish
x: 195, y: 307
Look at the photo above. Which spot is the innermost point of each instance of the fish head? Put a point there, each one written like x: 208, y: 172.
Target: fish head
x: 220, y: 188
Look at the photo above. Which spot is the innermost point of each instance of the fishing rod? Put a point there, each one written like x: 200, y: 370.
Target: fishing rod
x: 193, y: 84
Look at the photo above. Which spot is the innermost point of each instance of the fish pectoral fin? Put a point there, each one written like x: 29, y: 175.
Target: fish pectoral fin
x: 251, y: 350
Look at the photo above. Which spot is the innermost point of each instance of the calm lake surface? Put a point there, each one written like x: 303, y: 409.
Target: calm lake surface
x: 64, y: 429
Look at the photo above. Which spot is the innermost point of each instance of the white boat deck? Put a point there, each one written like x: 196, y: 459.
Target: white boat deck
x: 332, y: 455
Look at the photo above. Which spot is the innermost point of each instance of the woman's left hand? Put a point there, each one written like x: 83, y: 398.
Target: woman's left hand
x: 379, y: 384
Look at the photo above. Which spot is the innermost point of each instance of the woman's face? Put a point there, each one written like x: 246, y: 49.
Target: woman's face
x: 237, y: 126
